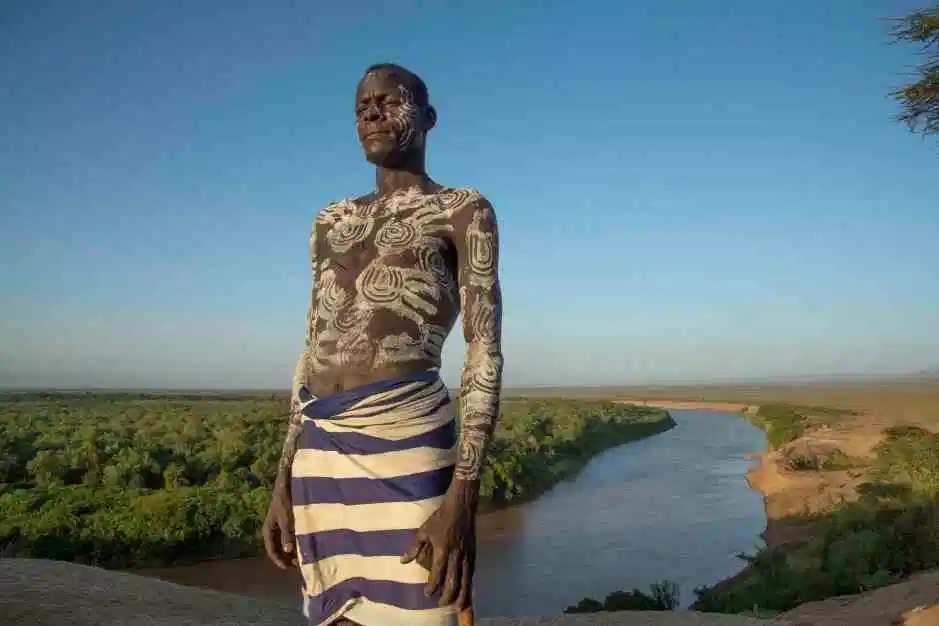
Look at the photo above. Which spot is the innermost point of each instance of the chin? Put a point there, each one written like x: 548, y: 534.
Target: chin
x: 378, y: 150
x: 378, y: 157
x: 383, y: 156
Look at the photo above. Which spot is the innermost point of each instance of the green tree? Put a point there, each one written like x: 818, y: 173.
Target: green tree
x: 133, y: 479
x: 920, y: 99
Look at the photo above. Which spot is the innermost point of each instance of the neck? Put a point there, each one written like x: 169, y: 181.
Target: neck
x: 410, y: 173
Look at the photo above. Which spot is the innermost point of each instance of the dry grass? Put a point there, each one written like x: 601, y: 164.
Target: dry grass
x: 879, y: 404
x: 910, y: 400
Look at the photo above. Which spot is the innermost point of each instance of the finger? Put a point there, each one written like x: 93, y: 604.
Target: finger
x: 414, y: 548
x: 451, y: 585
x: 272, y: 547
x: 425, y: 556
x: 466, y: 584
x: 268, y: 543
x: 437, y: 572
x: 287, y: 540
x: 466, y: 617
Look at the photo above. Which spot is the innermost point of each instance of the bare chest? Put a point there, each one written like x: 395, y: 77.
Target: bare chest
x: 391, y: 244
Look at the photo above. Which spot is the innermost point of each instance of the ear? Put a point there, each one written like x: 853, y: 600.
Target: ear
x: 430, y: 118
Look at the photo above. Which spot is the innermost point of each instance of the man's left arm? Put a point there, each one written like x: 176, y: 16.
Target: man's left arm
x: 477, y: 244
x: 450, y: 532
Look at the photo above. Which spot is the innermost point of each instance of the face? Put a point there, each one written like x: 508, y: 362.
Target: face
x: 388, y: 121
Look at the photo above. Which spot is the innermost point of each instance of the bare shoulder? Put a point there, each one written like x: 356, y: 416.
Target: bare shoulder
x: 336, y: 210
x: 324, y: 218
x: 460, y: 199
x: 465, y: 206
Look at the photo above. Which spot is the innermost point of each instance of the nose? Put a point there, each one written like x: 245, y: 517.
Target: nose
x: 371, y: 113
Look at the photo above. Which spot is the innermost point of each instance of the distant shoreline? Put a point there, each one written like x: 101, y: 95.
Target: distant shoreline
x: 693, y: 405
x: 928, y: 377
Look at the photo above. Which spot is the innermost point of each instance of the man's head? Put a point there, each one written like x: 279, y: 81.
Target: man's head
x: 392, y: 114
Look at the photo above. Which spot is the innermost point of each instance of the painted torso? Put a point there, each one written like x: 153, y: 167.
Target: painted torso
x: 390, y: 277
x: 386, y: 291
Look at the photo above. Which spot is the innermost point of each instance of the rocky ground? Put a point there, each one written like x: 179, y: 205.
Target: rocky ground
x: 36, y: 592
x: 913, y: 602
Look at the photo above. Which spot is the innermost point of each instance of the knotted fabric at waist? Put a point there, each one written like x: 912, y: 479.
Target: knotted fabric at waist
x: 396, y: 408
x: 372, y: 463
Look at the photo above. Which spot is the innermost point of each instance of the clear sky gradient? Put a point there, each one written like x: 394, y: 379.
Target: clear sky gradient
x: 686, y: 190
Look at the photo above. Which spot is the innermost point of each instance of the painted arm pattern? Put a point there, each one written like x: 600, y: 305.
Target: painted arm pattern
x: 301, y: 373
x: 481, y: 303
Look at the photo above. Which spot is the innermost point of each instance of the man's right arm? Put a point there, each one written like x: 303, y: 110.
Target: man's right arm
x: 300, y: 377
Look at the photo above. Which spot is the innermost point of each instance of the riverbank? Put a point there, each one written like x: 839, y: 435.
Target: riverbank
x: 147, y: 480
x: 851, y: 487
x: 539, y: 443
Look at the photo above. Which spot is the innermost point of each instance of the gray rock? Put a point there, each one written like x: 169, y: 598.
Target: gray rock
x: 36, y: 592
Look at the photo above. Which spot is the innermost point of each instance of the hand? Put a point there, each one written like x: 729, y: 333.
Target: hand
x: 279, y: 541
x: 446, y: 545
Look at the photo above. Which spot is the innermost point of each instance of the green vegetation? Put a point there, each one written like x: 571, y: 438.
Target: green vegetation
x: 920, y: 99
x: 663, y: 596
x: 125, y: 480
x: 784, y: 423
x: 890, y: 532
x: 539, y: 442
x: 909, y: 456
x: 829, y: 461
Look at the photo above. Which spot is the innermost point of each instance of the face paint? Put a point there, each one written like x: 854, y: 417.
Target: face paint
x: 405, y: 119
x: 403, y: 116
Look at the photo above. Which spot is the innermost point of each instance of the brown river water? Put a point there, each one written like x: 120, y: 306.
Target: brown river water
x: 674, y: 506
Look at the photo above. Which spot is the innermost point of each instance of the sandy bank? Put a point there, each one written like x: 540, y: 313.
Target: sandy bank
x: 878, y: 404
x: 787, y: 493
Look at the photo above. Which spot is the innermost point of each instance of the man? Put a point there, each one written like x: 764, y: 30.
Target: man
x: 376, y: 496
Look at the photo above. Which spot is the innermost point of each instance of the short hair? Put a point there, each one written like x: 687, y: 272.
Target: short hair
x: 411, y: 80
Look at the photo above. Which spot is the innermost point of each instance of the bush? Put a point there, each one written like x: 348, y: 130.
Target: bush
x: 909, y: 455
x: 830, y: 461
x: 664, y: 596
x: 784, y: 423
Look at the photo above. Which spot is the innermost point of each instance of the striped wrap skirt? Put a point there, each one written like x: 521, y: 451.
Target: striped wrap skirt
x: 372, y: 463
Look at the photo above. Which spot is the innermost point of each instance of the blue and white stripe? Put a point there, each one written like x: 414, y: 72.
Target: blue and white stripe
x: 372, y: 464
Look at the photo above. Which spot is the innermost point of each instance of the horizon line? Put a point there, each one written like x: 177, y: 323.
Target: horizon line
x: 924, y: 375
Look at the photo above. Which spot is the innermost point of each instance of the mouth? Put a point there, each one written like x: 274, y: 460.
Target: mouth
x: 375, y: 134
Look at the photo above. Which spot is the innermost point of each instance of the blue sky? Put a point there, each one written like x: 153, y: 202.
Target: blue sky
x: 686, y: 190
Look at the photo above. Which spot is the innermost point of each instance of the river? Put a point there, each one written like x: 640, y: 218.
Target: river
x: 673, y: 506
